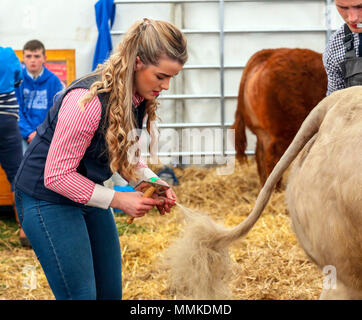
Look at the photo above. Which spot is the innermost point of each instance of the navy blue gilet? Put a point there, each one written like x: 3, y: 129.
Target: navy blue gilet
x: 94, y: 164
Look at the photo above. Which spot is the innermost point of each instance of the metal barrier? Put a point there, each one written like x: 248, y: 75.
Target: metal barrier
x: 222, y: 67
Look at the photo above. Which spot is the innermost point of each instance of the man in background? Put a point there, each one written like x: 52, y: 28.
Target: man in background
x: 37, y: 91
x: 343, y: 55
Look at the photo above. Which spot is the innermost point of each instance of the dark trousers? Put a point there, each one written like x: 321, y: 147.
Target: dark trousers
x: 11, y: 152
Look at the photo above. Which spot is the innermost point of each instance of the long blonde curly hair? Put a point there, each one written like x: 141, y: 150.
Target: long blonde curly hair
x: 149, y: 40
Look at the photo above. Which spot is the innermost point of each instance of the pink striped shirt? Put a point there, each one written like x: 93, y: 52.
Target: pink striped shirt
x: 73, y: 134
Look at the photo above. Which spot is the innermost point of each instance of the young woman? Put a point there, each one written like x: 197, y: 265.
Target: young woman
x: 62, y: 203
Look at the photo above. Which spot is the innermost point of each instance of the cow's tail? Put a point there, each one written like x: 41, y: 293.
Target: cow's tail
x: 308, y: 129
x: 239, y: 123
x: 199, y: 261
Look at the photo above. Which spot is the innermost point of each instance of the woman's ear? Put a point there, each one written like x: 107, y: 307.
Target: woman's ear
x: 139, y: 64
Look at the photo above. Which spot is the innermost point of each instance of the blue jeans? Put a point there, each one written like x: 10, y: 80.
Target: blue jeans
x: 77, y: 247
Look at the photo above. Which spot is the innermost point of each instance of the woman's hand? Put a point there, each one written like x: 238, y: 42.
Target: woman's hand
x: 134, y: 204
x: 169, y: 199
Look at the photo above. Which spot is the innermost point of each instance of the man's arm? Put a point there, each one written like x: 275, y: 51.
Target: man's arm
x: 333, y: 56
x: 334, y: 74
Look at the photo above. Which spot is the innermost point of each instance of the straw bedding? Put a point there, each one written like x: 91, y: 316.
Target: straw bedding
x: 267, y: 264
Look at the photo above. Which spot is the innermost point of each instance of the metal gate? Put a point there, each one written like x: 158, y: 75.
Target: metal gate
x: 221, y: 32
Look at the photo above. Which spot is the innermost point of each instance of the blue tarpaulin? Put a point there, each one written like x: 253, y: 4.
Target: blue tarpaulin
x: 105, y: 13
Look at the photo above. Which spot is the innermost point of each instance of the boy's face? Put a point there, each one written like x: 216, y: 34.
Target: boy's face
x: 34, y: 60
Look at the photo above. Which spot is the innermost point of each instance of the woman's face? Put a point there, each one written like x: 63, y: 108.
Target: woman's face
x: 150, y: 79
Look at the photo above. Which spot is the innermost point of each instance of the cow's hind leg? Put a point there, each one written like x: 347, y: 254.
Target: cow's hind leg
x: 260, y: 161
x: 273, y: 152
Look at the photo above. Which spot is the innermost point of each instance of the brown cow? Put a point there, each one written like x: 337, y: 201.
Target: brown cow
x: 278, y: 89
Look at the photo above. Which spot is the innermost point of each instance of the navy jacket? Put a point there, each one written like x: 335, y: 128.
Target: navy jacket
x: 95, y: 163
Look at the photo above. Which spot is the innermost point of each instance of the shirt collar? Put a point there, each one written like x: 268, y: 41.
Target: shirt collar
x: 137, y: 100
x: 31, y: 76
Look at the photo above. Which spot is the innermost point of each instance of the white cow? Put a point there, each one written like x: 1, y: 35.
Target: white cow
x: 324, y: 194
x: 324, y: 198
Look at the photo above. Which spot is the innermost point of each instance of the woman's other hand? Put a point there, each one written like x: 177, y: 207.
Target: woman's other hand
x: 134, y: 204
